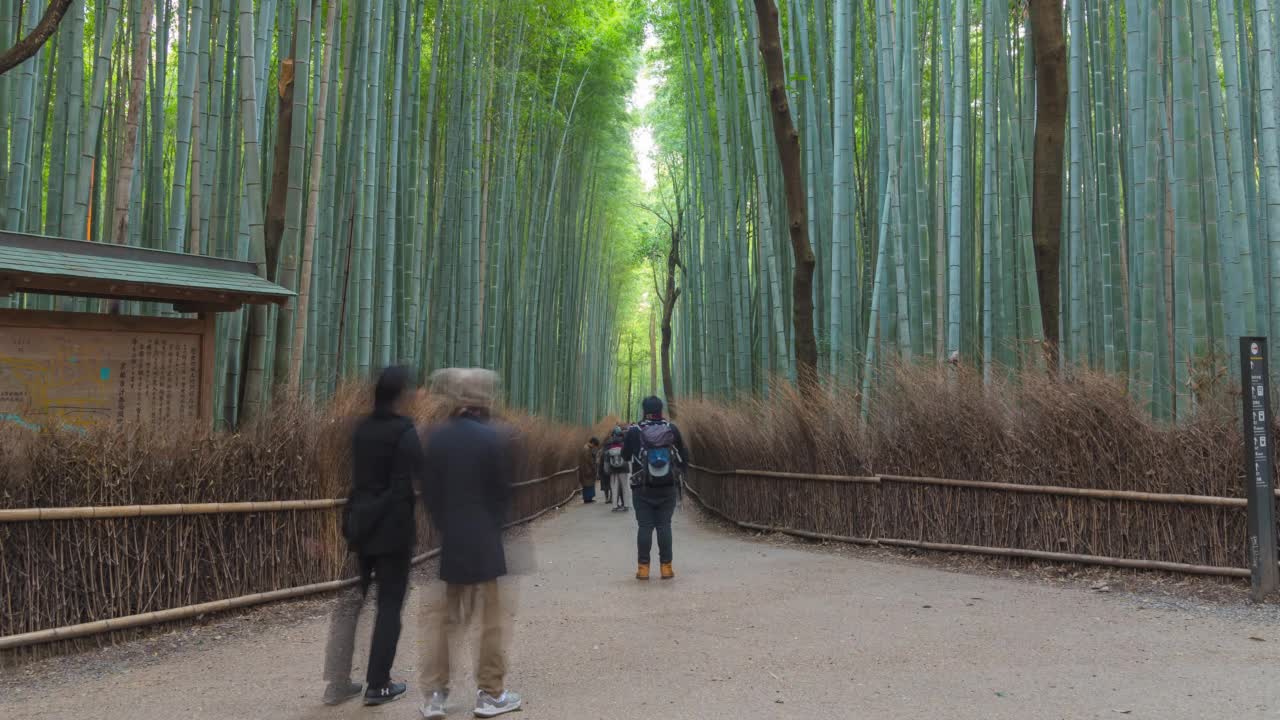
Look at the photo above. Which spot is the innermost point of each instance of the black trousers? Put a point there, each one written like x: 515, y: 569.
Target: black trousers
x: 654, y: 508
x: 391, y: 573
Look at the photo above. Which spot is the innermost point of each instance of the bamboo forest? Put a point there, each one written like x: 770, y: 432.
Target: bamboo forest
x: 601, y: 199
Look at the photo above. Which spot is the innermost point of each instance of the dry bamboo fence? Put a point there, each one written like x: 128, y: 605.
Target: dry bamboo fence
x: 136, y: 525
x: 1182, y: 533
x: 1057, y: 466
x: 108, y: 625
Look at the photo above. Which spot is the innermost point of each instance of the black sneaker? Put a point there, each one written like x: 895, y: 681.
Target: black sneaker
x: 385, y: 694
x: 339, y: 692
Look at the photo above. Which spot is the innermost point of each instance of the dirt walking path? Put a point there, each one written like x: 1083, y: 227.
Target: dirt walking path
x: 749, y: 629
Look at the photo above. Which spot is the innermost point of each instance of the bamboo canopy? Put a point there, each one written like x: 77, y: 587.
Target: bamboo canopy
x: 430, y: 178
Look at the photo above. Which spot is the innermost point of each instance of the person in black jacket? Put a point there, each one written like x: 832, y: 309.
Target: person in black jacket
x: 655, y: 486
x: 378, y: 522
x: 467, y: 487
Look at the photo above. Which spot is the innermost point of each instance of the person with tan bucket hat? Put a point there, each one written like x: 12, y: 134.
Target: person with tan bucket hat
x: 469, y: 470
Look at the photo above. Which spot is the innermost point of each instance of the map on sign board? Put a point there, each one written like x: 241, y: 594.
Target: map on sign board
x: 80, y: 378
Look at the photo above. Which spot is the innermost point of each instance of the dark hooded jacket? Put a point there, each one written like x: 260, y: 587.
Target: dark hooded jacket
x: 467, y: 488
x: 386, y: 457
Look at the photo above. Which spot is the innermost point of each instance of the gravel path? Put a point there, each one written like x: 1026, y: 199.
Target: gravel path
x: 749, y: 629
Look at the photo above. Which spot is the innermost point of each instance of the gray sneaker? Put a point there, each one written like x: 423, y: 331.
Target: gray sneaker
x: 436, y: 706
x: 488, y: 706
x: 339, y: 692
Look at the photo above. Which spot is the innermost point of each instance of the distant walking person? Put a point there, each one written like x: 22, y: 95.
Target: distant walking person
x: 656, y: 447
x: 616, y: 471
x: 378, y: 523
x: 467, y: 487
x: 599, y: 472
x: 587, y: 469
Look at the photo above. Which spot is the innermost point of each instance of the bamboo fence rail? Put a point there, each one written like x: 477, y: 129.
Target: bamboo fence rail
x: 552, y: 476
x: 853, y: 479
x: 180, y: 509
x: 1071, y: 557
x: 1073, y: 523
x: 1174, y: 498
x: 98, y: 627
x: 186, y: 612
x: 169, y: 510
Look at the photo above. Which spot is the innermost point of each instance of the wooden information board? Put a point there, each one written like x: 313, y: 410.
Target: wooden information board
x: 81, y: 370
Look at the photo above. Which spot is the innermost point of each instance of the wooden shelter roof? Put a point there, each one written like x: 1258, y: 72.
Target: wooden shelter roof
x: 193, y: 283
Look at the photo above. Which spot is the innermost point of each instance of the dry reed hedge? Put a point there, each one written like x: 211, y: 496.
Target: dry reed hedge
x: 1082, y: 431
x: 59, y: 573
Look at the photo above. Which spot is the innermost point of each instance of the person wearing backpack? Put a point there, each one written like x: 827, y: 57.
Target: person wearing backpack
x: 379, y: 527
x: 658, y: 451
x: 615, y: 470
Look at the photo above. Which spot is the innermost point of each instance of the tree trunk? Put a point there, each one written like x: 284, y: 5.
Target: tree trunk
x: 137, y: 83
x: 280, y: 167
x: 653, y: 351
x: 31, y: 44
x: 668, y: 309
x: 1046, y: 196
x: 788, y: 141
x: 254, y: 384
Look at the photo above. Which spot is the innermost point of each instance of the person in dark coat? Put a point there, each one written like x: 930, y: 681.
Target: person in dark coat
x: 378, y: 522
x: 587, y: 469
x: 655, y: 488
x: 467, y: 487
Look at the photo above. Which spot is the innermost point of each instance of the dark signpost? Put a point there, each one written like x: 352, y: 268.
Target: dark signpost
x: 1258, y: 462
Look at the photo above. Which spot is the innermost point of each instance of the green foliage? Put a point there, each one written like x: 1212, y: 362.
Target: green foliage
x: 509, y: 211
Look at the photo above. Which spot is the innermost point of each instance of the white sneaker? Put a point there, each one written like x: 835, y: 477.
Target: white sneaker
x: 488, y: 706
x: 435, y: 706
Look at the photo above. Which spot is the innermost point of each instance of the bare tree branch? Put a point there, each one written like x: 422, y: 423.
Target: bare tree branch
x: 40, y: 34
x: 664, y: 218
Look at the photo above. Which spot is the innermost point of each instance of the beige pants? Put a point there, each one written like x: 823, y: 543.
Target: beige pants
x: 447, y: 611
x: 621, y: 489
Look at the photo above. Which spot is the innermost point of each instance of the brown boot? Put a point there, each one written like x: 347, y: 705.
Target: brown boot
x: 667, y: 571
x: 642, y: 573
